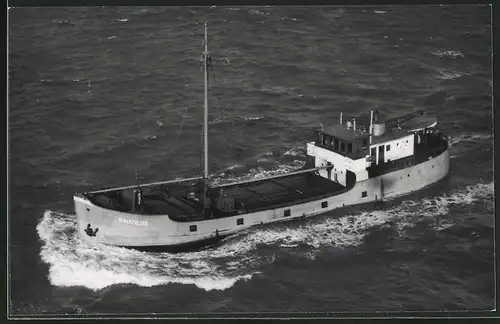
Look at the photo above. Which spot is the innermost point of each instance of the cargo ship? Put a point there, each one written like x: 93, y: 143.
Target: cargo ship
x: 356, y: 160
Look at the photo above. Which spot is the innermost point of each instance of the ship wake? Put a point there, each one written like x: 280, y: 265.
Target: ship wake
x: 240, y: 257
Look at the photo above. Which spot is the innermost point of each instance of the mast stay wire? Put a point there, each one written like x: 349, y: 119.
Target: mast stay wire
x: 179, y: 130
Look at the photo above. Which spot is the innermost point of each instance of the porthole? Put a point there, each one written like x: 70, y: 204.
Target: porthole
x: 193, y: 228
x: 364, y: 194
x: 286, y: 213
x: 239, y: 221
x: 324, y: 204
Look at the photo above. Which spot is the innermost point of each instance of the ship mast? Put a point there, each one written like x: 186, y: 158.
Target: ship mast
x: 206, y: 61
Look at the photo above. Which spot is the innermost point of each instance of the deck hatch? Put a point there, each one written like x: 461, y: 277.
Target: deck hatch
x: 324, y: 204
x: 239, y: 221
x: 193, y: 228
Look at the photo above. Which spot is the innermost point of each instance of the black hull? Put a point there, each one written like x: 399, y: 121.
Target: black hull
x: 182, y: 248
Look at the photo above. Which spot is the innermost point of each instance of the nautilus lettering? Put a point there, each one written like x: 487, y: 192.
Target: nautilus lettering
x: 133, y: 222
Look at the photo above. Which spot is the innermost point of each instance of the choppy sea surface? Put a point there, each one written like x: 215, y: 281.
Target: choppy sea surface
x: 108, y: 96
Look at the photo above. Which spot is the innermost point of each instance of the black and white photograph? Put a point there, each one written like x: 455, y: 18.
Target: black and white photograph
x: 167, y: 161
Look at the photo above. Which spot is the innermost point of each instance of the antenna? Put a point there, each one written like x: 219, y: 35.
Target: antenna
x: 371, y: 126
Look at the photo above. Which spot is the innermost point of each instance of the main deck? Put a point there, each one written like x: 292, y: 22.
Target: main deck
x: 272, y: 193
x: 184, y: 203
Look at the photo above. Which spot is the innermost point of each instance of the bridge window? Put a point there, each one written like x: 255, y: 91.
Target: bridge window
x: 365, y: 142
x: 286, y: 213
x: 374, y: 151
x: 326, y: 139
x: 239, y: 221
x: 342, y: 146
x: 336, y: 144
x: 388, y: 147
x: 320, y: 138
x: 324, y: 204
x: 349, y: 148
x: 193, y: 228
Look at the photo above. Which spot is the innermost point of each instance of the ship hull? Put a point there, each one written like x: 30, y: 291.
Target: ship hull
x: 159, y: 232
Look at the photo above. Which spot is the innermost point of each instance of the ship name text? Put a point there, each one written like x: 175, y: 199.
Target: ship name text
x: 133, y: 222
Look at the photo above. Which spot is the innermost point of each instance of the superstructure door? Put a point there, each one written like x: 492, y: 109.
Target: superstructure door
x: 381, y: 150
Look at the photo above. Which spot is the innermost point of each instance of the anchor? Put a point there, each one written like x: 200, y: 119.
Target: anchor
x: 90, y: 232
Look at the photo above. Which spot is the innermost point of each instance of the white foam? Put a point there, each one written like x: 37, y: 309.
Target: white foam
x: 441, y: 226
x: 235, y: 166
x: 299, y: 151
x: 220, y: 120
x: 468, y: 137
x: 432, y: 208
x: 449, y: 74
x: 453, y: 54
x: 73, y: 263
x: 258, y: 12
x: 217, y: 121
x: 254, y: 118
x: 258, y: 173
x: 264, y: 160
